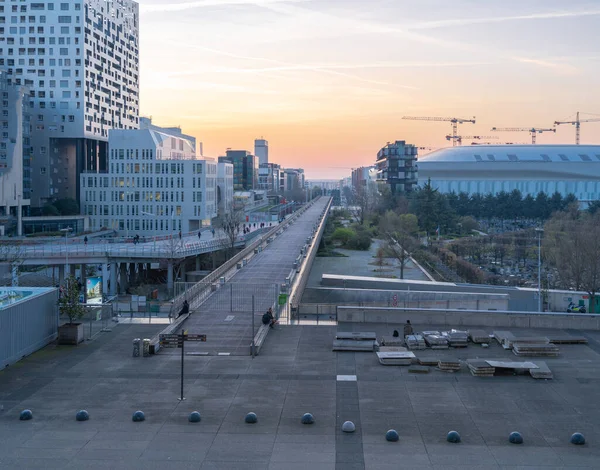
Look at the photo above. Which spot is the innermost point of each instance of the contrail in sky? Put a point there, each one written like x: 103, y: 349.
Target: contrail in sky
x: 502, y: 19
x: 208, y: 3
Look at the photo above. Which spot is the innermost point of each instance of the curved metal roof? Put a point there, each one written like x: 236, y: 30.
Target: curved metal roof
x: 515, y: 153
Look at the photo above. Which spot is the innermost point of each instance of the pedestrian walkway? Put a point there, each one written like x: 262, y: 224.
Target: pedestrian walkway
x: 226, y: 316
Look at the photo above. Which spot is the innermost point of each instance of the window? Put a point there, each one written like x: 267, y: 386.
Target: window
x: 512, y: 157
x: 64, y: 19
x: 43, y: 170
x: 585, y: 158
x: 491, y: 158
x: 563, y: 157
x: 546, y: 158
x: 478, y: 158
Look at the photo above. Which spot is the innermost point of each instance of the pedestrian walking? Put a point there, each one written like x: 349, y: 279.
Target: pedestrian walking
x: 85, y: 240
x: 180, y: 234
x: 199, y: 235
x: 213, y: 232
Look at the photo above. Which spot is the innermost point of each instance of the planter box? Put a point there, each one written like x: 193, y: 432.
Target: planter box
x: 70, y: 333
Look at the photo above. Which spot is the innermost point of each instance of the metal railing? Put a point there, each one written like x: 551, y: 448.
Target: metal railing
x: 302, y: 278
x: 197, y: 294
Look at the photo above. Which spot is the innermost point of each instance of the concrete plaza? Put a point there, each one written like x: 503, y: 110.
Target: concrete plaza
x: 296, y: 373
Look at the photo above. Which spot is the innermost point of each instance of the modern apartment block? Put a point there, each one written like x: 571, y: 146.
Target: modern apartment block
x: 268, y: 177
x: 363, y: 177
x: 15, y: 152
x: 294, y: 179
x: 397, y: 166
x: 80, y: 61
x: 154, y: 184
x: 261, y: 150
x: 245, y: 169
x: 224, y: 187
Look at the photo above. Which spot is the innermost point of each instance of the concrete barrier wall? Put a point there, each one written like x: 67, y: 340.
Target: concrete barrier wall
x: 468, y: 318
x: 28, y: 325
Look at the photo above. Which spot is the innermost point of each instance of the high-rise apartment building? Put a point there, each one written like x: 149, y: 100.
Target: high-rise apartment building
x: 396, y: 166
x: 261, y: 150
x: 15, y: 151
x: 268, y: 177
x: 80, y: 61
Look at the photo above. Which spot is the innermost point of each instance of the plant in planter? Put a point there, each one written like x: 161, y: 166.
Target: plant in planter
x: 68, y: 303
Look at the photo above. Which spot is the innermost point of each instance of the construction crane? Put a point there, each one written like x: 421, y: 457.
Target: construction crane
x: 459, y: 138
x: 499, y: 143
x: 454, y: 121
x: 532, y: 130
x: 577, y: 123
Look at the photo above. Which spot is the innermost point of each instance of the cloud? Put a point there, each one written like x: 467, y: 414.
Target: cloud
x: 562, y: 67
x: 502, y: 19
x: 207, y: 3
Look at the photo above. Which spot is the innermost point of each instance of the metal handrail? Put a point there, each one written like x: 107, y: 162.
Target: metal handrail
x: 202, y: 289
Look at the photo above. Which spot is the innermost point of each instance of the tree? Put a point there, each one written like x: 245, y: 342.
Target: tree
x: 467, y: 224
x: 365, y: 200
x: 591, y: 252
x: 67, y: 206
x: 316, y: 191
x: 231, y: 224
x: 68, y: 302
x: 399, y: 232
x: 343, y: 235
x: 593, y: 207
x: 50, y: 210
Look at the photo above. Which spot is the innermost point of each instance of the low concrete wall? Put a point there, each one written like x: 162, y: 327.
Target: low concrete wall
x: 28, y: 325
x: 314, y: 296
x: 467, y: 318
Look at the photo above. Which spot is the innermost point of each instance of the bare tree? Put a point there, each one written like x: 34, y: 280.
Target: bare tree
x: 12, y: 254
x: 231, y: 223
x: 399, y: 232
x: 365, y: 200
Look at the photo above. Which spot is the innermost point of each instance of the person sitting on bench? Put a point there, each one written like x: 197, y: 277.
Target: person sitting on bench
x: 268, y: 318
x: 408, y: 329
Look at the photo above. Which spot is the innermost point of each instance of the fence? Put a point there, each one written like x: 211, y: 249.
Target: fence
x: 200, y: 291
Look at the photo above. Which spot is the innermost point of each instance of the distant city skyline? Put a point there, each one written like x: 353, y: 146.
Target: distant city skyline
x: 327, y: 82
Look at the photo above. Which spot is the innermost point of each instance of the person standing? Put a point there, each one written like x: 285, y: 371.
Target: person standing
x: 408, y: 329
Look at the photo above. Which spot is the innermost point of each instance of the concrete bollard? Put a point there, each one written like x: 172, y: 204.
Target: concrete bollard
x: 392, y: 436
x: 348, y: 426
x: 577, y: 439
x: 26, y: 415
x: 146, y: 347
x: 82, y: 415
x: 194, y: 417
x: 307, y: 418
x: 136, y: 347
x: 453, y: 437
x: 515, y: 438
x: 138, y: 416
x: 251, y: 418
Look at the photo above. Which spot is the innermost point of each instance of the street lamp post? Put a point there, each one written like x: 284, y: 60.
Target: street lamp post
x: 539, y: 232
x: 66, y: 230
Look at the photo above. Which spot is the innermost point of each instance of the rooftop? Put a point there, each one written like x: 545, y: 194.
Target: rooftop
x: 515, y: 154
x: 296, y: 373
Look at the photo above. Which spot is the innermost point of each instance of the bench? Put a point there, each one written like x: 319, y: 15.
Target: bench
x: 259, y: 338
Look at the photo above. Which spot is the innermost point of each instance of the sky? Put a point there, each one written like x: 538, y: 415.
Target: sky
x: 327, y: 82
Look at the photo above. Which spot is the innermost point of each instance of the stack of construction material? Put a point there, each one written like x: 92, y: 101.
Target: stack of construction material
x: 480, y: 368
x: 479, y: 336
x: 355, y: 341
x: 557, y: 338
x: 535, y: 349
x: 391, y: 341
x: 435, y: 340
x: 399, y: 358
x: 504, y: 338
x: 449, y: 365
x: 457, y: 338
x: 429, y: 361
x: 415, y: 342
x: 542, y: 371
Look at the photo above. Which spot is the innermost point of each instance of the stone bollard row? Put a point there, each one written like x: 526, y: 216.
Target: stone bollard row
x: 307, y: 418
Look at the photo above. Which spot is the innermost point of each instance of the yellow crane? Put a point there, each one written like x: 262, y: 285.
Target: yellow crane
x: 577, y: 123
x: 453, y: 120
x: 534, y: 131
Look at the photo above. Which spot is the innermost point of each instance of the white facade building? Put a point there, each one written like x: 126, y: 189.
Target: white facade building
x: 261, y: 150
x: 529, y: 168
x: 154, y: 185
x: 79, y: 58
x: 224, y: 187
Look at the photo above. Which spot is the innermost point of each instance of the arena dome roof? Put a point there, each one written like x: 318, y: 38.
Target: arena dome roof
x: 515, y: 153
